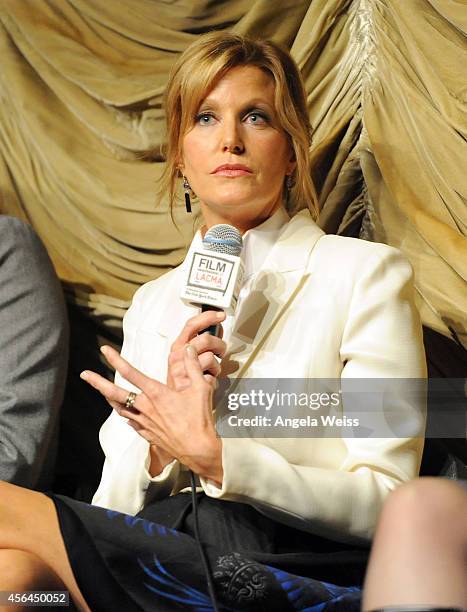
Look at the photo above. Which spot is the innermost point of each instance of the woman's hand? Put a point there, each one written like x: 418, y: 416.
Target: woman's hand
x: 207, y: 347
x: 180, y: 423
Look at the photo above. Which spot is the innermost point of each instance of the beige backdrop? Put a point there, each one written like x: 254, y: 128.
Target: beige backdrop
x: 81, y: 84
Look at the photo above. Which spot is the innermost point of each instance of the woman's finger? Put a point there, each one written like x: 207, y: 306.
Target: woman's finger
x: 137, y: 417
x: 192, y: 365
x: 196, y: 324
x: 146, y: 431
x: 210, y: 363
x: 131, y: 374
x: 182, y: 383
x: 115, y: 405
x: 108, y: 389
x: 211, y: 380
x: 209, y: 343
x: 177, y: 370
x: 142, y: 431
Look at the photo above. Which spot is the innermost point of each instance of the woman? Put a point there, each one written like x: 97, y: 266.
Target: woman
x: 311, y: 306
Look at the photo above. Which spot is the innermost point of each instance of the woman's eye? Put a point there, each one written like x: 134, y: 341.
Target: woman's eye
x: 257, y: 118
x: 204, y: 119
x: 254, y: 118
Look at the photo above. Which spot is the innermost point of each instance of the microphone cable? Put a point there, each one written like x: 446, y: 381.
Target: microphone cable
x: 202, y: 552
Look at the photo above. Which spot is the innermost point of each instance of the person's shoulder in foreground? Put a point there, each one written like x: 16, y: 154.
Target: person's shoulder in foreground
x: 33, y: 356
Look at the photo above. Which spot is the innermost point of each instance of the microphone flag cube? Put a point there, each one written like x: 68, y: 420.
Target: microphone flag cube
x: 213, y: 278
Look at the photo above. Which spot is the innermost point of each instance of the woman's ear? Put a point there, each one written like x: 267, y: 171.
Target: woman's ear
x: 292, y: 161
x: 179, y: 162
x: 291, y: 166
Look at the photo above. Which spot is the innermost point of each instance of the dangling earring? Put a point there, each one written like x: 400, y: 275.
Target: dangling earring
x: 289, y: 182
x: 187, y: 188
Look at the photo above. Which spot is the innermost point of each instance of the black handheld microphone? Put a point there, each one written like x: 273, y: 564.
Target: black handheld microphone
x: 213, y: 277
x: 215, y: 272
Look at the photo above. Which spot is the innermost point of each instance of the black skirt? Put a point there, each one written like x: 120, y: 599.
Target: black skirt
x: 151, y: 561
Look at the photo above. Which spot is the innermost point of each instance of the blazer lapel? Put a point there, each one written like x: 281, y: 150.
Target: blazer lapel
x: 273, y: 289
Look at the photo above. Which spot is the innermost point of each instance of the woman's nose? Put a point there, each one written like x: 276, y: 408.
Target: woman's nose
x: 232, y: 140
x: 236, y: 148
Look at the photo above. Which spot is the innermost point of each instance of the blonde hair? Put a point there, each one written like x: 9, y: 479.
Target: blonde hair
x: 196, y: 72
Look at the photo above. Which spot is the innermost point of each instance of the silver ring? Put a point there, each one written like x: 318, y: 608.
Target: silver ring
x: 130, y: 400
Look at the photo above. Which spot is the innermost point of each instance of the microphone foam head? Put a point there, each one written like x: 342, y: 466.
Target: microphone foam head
x: 223, y: 238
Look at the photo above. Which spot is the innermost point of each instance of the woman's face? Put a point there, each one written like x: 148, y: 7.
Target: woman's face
x: 236, y: 155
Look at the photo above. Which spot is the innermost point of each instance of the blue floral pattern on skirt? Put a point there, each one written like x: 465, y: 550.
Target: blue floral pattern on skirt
x: 241, y: 583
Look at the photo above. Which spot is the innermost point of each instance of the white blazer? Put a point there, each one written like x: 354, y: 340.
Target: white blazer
x: 322, y: 306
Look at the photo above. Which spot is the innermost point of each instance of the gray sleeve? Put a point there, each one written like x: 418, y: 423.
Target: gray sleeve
x: 33, y: 356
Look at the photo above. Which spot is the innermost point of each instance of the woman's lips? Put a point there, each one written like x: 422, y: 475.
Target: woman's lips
x: 230, y: 172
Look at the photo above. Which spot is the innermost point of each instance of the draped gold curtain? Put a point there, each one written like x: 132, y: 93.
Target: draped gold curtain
x: 81, y: 122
